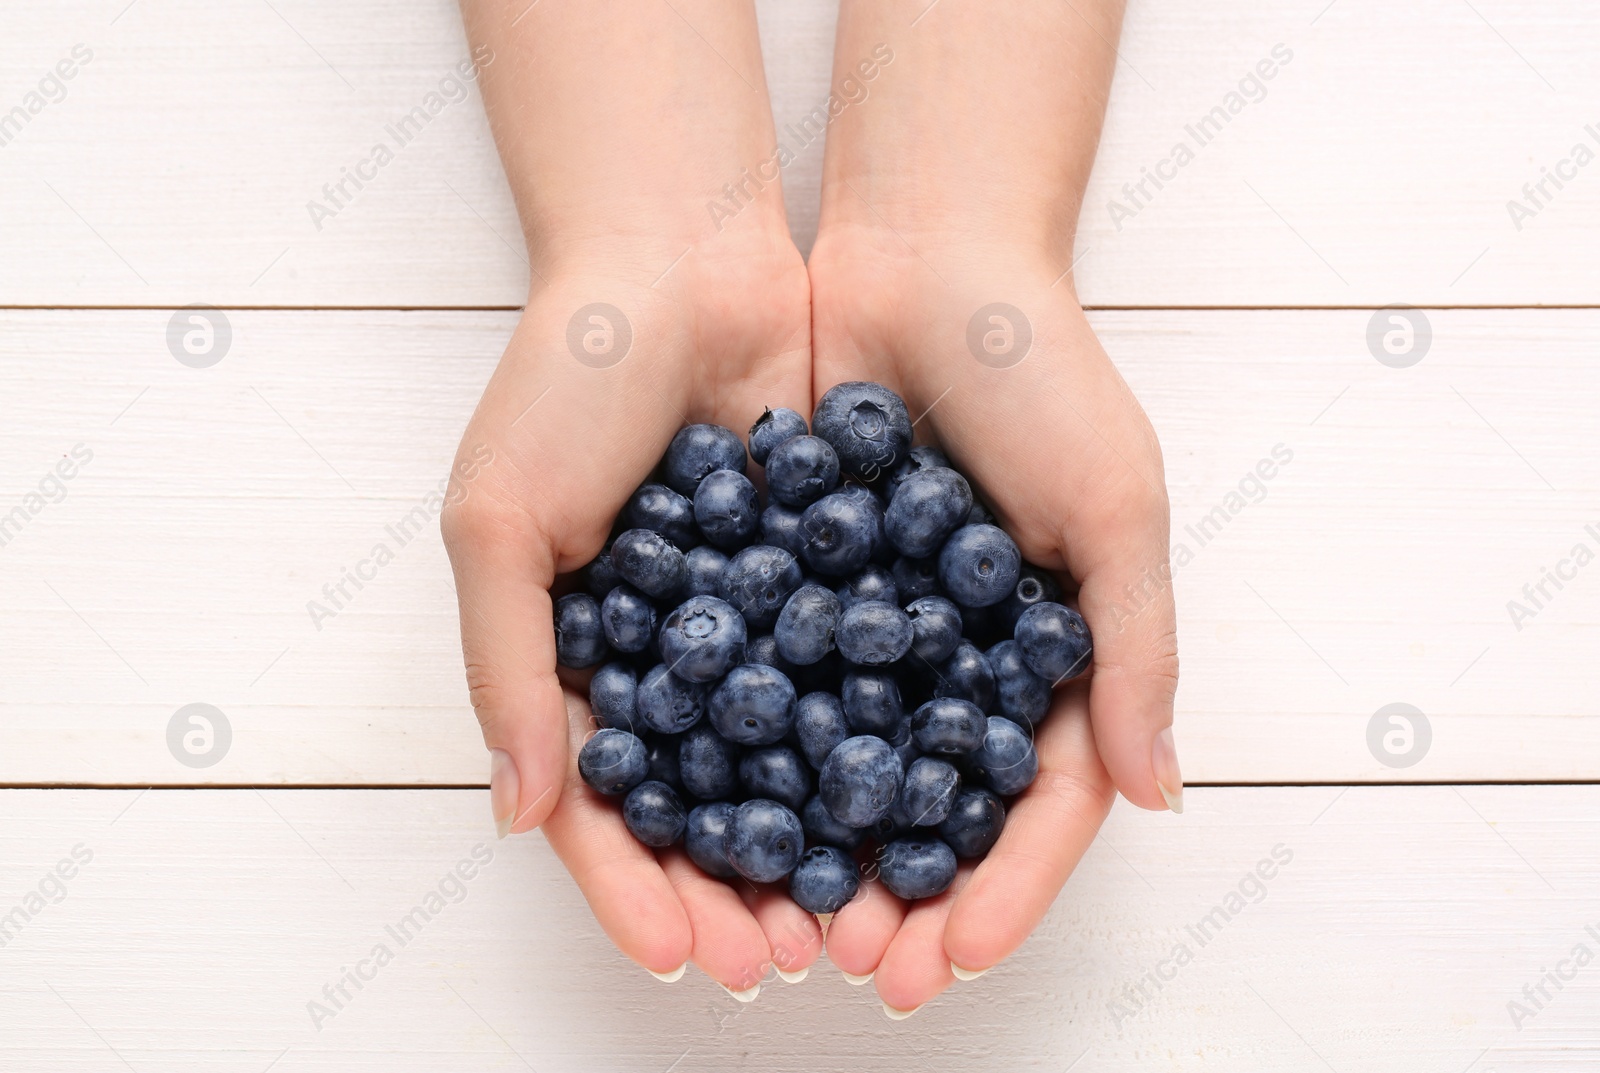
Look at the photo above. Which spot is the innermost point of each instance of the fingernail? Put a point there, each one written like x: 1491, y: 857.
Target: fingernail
x: 669, y: 977
x: 1169, y: 780
x: 857, y: 981
x: 743, y: 996
x: 898, y: 1015
x: 503, y: 787
x: 966, y: 975
x: 794, y: 977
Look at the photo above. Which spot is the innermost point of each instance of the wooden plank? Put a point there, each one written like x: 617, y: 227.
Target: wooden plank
x: 1375, y: 165
x: 1375, y: 567
x: 1396, y: 929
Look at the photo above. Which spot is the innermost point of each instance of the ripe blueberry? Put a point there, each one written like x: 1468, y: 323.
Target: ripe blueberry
x: 772, y: 428
x: 667, y: 703
x: 1006, y: 761
x: 860, y: 780
x: 611, y: 695
x: 948, y: 726
x: 706, y: 838
x: 697, y: 451
x: 926, y: 508
x: 703, y: 570
x: 840, y: 532
x: 753, y: 705
x: 929, y: 791
x: 628, y: 619
x: 801, y: 470
x: 805, y: 626
x: 1020, y: 695
x: 823, y: 829
x: 935, y: 628
x: 974, y: 823
x: 824, y: 881
x: 765, y: 841
x: 867, y: 425
x: 708, y: 763
x: 702, y: 639
x: 758, y: 581
x: 872, y: 704
x: 650, y: 563
x: 979, y: 565
x: 873, y: 634
x: 819, y: 726
x: 726, y: 510
x: 659, y: 509
x: 613, y: 762
x: 917, y: 867
x: 1055, y: 641
x: 654, y: 813
x: 777, y: 773
x: 873, y: 583
x: 967, y: 675
x: 580, y: 639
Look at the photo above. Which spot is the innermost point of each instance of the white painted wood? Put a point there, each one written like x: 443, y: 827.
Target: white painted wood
x: 1403, y: 923
x: 1377, y: 168
x: 216, y: 506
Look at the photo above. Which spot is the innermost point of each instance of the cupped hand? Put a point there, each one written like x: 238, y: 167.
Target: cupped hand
x: 999, y: 366
x: 574, y: 417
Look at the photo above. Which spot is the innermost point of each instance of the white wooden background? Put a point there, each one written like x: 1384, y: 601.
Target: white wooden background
x: 1376, y: 570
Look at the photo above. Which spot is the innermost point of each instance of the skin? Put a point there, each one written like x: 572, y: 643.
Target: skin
x: 955, y: 184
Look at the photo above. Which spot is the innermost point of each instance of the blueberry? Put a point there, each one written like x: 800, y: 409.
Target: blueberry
x: 824, y: 881
x: 703, y: 638
x: 915, y: 578
x: 1033, y: 586
x: 1055, y: 641
x: 758, y: 581
x: 708, y: 763
x: 871, y: 702
x: 765, y: 841
x: 706, y: 838
x: 917, y: 867
x: 860, y: 780
x: 839, y: 532
x: 776, y: 773
x: 659, y: 509
x: 611, y: 695
x: 600, y: 576
x: 753, y: 705
x: 780, y: 528
x: 819, y: 726
x: 763, y: 648
x: 980, y: 514
x: 700, y: 450
x: 726, y: 510
x: 979, y: 565
x: 920, y: 458
x: 935, y: 628
x: 654, y: 814
x: 822, y: 829
x: 662, y: 752
x: 974, y: 823
x: 948, y: 726
x: 613, y: 762
x: 873, y: 634
x: 628, y: 619
x: 1006, y: 762
x: 772, y: 428
x: 667, y: 703
x: 580, y: 640
x: 804, y: 630
x: 873, y: 583
x: 866, y: 424
x: 802, y: 470
x: 703, y: 567
x: 1020, y: 695
x: 650, y: 563
x: 896, y: 823
x: 926, y: 508
x: 967, y: 675
x: 929, y: 791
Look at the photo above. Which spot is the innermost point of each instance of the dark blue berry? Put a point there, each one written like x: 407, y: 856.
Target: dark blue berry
x: 915, y: 578
x: 801, y: 471
x: 611, y: 695
x: 600, y: 577
x: 668, y: 703
x: 659, y: 509
x: 873, y: 583
x: 917, y: 867
x: 726, y: 510
x: 650, y: 563
x: 1055, y: 641
x: 926, y: 508
x: 763, y: 648
x: 824, y: 881
x: 819, y: 726
x: 867, y: 425
x: 580, y: 639
x: 805, y: 627
x: 1006, y: 761
x: 935, y: 628
x: 860, y: 780
x: 871, y: 702
x: 978, y: 565
x: 628, y: 619
x: 662, y: 752
x: 765, y: 841
x: 772, y: 428
x: 892, y: 824
x: 654, y: 813
x: 777, y: 773
x: 708, y: 763
x: 873, y: 634
x: 703, y: 638
x: 1019, y: 694
x: 700, y: 450
x: 929, y: 791
x: 753, y: 705
x: 780, y: 528
x: 706, y: 838
x: 974, y: 823
x: 1034, y: 586
x: 920, y: 458
x: 967, y: 675
x: 823, y: 829
x: 839, y: 531
x: 613, y: 762
x: 703, y: 567
x: 758, y: 581
x: 948, y: 726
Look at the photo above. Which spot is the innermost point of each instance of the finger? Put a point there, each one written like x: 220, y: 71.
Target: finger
x: 1047, y: 831
x: 861, y: 931
x: 916, y: 968
x: 619, y: 877
x: 729, y: 945
x: 793, y: 935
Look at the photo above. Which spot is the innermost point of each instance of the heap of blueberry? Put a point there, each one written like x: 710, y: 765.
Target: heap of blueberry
x: 861, y: 658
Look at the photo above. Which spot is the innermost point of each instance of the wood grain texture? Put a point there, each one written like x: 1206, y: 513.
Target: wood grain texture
x: 1374, y: 166
x: 1374, y: 567
x: 1398, y: 925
